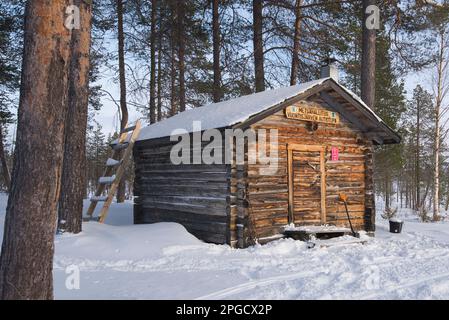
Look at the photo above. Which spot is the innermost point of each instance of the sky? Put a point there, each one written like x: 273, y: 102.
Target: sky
x: 109, y: 119
x: 108, y: 116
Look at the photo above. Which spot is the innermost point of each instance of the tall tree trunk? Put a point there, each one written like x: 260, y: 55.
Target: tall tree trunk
x: 258, y: 45
x: 418, y: 149
x: 74, y: 165
x: 407, y: 195
x: 296, y: 44
x: 5, y: 169
x: 387, y: 193
x: 446, y: 206
x: 173, y: 101
x: 368, y: 77
x: 426, y: 192
x: 26, y: 260
x: 441, y: 69
x: 121, y: 191
x: 159, y: 75
x: 217, y: 90
x: 153, y: 62
x: 181, y: 54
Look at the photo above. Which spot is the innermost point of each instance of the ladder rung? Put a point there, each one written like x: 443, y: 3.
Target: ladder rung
x: 120, y: 146
x: 129, y: 129
x: 88, y: 219
x: 99, y: 199
x: 106, y: 180
x: 112, y: 162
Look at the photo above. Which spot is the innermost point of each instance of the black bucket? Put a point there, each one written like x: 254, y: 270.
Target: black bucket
x: 396, y: 226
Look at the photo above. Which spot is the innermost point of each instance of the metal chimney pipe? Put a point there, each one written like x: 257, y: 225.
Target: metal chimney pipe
x: 329, y: 69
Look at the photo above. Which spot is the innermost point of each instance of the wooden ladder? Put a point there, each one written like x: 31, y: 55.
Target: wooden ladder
x: 125, y: 142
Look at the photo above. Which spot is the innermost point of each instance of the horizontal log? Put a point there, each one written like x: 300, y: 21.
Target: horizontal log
x: 204, y: 209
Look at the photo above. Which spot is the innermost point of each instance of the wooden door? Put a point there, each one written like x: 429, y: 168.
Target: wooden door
x: 307, y: 184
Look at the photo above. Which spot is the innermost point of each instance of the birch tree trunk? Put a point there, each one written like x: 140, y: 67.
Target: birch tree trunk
x: 26, y: 260
x: 441, y: 70
x: 418, y: 164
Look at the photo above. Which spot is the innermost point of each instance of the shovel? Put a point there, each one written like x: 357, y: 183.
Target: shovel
x: 344, y: 198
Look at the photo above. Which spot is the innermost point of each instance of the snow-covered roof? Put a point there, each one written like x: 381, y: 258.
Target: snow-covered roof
x: 232, y: 112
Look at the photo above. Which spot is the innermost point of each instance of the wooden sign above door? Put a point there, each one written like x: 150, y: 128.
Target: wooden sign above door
x: 306, y: 112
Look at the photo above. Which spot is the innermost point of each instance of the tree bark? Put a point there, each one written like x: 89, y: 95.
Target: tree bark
x: 121, y: 191
x: 446, y: 207
x: 418, y: 148
x: 387, y: 193
x: 5, y: 169
x: 26, y: 260
x: 296, y: 44
x: 441, y: 68
x: 258, y: 45
x: 173, y: 100
x: 368, y: 76
x: 70, y: 210
x: 173, y: 96
x: 153, y: 62
x: 217, y: 90
x: 73, y: 183
x: 159, y: 74
x: 181, y: 54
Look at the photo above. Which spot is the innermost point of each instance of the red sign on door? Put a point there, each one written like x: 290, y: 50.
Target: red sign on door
x: 334, y: 154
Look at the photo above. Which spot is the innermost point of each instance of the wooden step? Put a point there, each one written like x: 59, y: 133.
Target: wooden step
x: 112, y: 162
x: 106, y: 180
x: 88, y: 219
x: 129, y: 129
x: 99, y: 198
x: 120, y: 146
x: 305, y: 233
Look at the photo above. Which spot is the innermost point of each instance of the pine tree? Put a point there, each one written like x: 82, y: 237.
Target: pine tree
x: 390, y: 106
x: 122, y: 77
x: 417, y: 120
x: 73, y: 184
x: 217, y: 90
x: 368, y: 74
x: 258, y: 45
x: 97, y: 154
x: 31, y: 213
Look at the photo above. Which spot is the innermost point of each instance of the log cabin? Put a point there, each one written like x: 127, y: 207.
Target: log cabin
x: 325, y: 138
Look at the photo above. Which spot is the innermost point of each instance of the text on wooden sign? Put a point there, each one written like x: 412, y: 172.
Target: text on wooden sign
x: 306, y: 113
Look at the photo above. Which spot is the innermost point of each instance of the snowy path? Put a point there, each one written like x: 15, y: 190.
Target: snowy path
x: 122, y: 261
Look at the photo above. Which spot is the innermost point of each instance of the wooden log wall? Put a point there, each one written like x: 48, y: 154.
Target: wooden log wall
x: 351, y: 174
x: 234, y: 204
x: 196, y: 196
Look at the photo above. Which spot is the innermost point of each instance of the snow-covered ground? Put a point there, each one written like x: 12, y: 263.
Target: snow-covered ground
x: 121, y: 261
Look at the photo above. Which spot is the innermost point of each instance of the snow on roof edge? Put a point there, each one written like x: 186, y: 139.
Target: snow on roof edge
x: 359, y: 100
x: 234, y: 111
